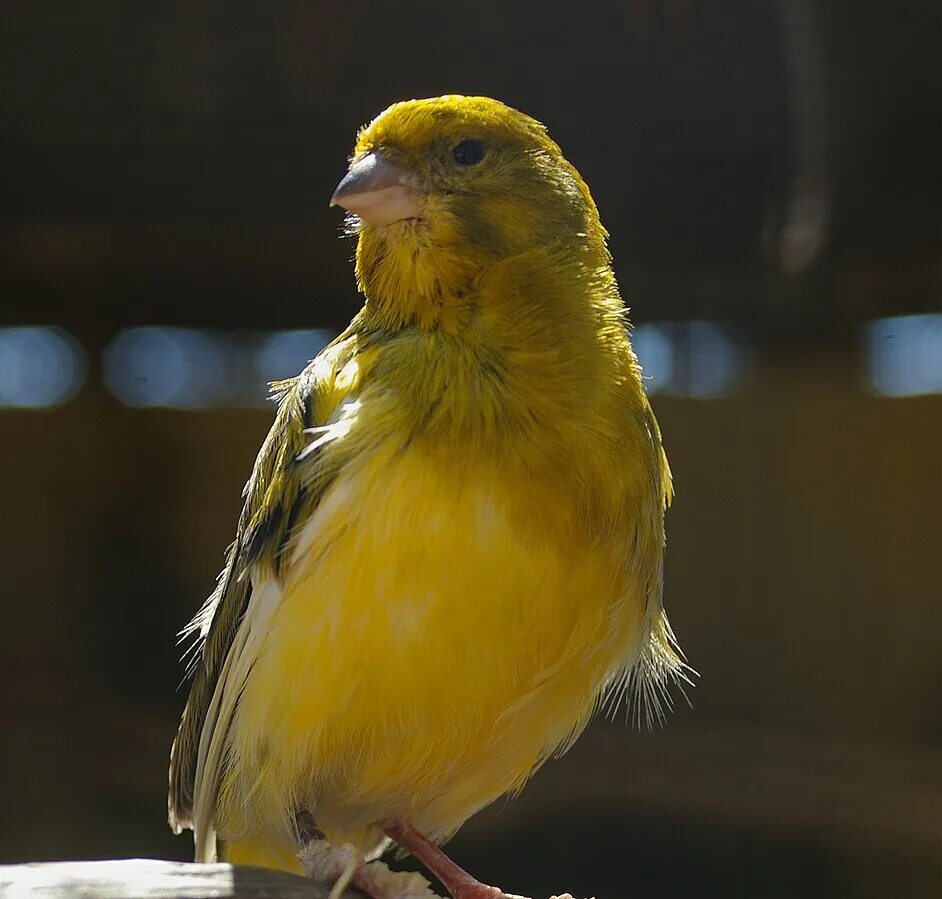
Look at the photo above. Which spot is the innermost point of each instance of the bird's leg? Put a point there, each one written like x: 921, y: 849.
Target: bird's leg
x: 343, y: 866
x: 459, y: 883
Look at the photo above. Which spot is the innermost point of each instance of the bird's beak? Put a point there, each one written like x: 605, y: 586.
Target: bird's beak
x: 378, y: 191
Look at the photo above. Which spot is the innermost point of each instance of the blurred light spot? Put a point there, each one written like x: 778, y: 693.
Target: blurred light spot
x: 714, y: 360
x: 194, y: 369
x: 693, y: 358
x: 656, y: 355
x: 168, y: 367
x: 39, y: 367
x: 904, y: 355
x: 197, y: 369
x: 283, y: 354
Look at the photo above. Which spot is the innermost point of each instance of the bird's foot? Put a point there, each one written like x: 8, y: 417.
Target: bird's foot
x: 474, y: 889
x: 377, y: 880
x: 459, y: 883
x: 343, y: 866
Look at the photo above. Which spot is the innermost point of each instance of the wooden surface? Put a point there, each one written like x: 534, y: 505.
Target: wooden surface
x: 147, y: 878
x: 151, y: 879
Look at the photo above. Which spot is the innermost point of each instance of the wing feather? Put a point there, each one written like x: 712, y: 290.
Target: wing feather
x: 284, y: 488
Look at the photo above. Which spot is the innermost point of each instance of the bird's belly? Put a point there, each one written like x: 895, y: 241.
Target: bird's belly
x: 435, y: 638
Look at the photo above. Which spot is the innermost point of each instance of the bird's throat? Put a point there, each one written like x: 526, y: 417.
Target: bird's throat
x: 410, y: 278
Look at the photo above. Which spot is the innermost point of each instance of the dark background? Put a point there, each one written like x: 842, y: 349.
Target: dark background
x: 771, y: 166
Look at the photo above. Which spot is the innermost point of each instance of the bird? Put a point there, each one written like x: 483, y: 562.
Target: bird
x: 450, y: 554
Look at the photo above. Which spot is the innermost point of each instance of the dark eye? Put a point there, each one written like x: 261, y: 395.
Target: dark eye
x: 468, y: 152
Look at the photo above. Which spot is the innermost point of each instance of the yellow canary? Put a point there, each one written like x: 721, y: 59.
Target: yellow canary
x: 450, y: 553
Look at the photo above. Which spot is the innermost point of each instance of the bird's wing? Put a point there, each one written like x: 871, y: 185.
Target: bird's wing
x: 286, y: 484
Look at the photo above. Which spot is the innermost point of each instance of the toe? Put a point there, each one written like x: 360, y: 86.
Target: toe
x: 379, y: 882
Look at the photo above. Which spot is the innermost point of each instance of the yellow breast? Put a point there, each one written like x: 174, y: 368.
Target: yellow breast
x: 440, y: 631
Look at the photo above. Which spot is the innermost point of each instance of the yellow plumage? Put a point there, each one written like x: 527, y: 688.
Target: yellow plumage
x: 452, y: 541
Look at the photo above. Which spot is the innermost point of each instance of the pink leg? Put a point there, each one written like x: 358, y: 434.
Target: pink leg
x: 459, y: 883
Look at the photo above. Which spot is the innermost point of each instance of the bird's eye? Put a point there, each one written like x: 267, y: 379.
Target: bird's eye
x: 468, y: 152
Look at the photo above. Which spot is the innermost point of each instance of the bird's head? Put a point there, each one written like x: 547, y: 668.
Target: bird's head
x: 441, y: 189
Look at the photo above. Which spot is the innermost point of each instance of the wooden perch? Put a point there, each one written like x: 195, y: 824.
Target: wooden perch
x: 144, y: 878
x: 147, y: 878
